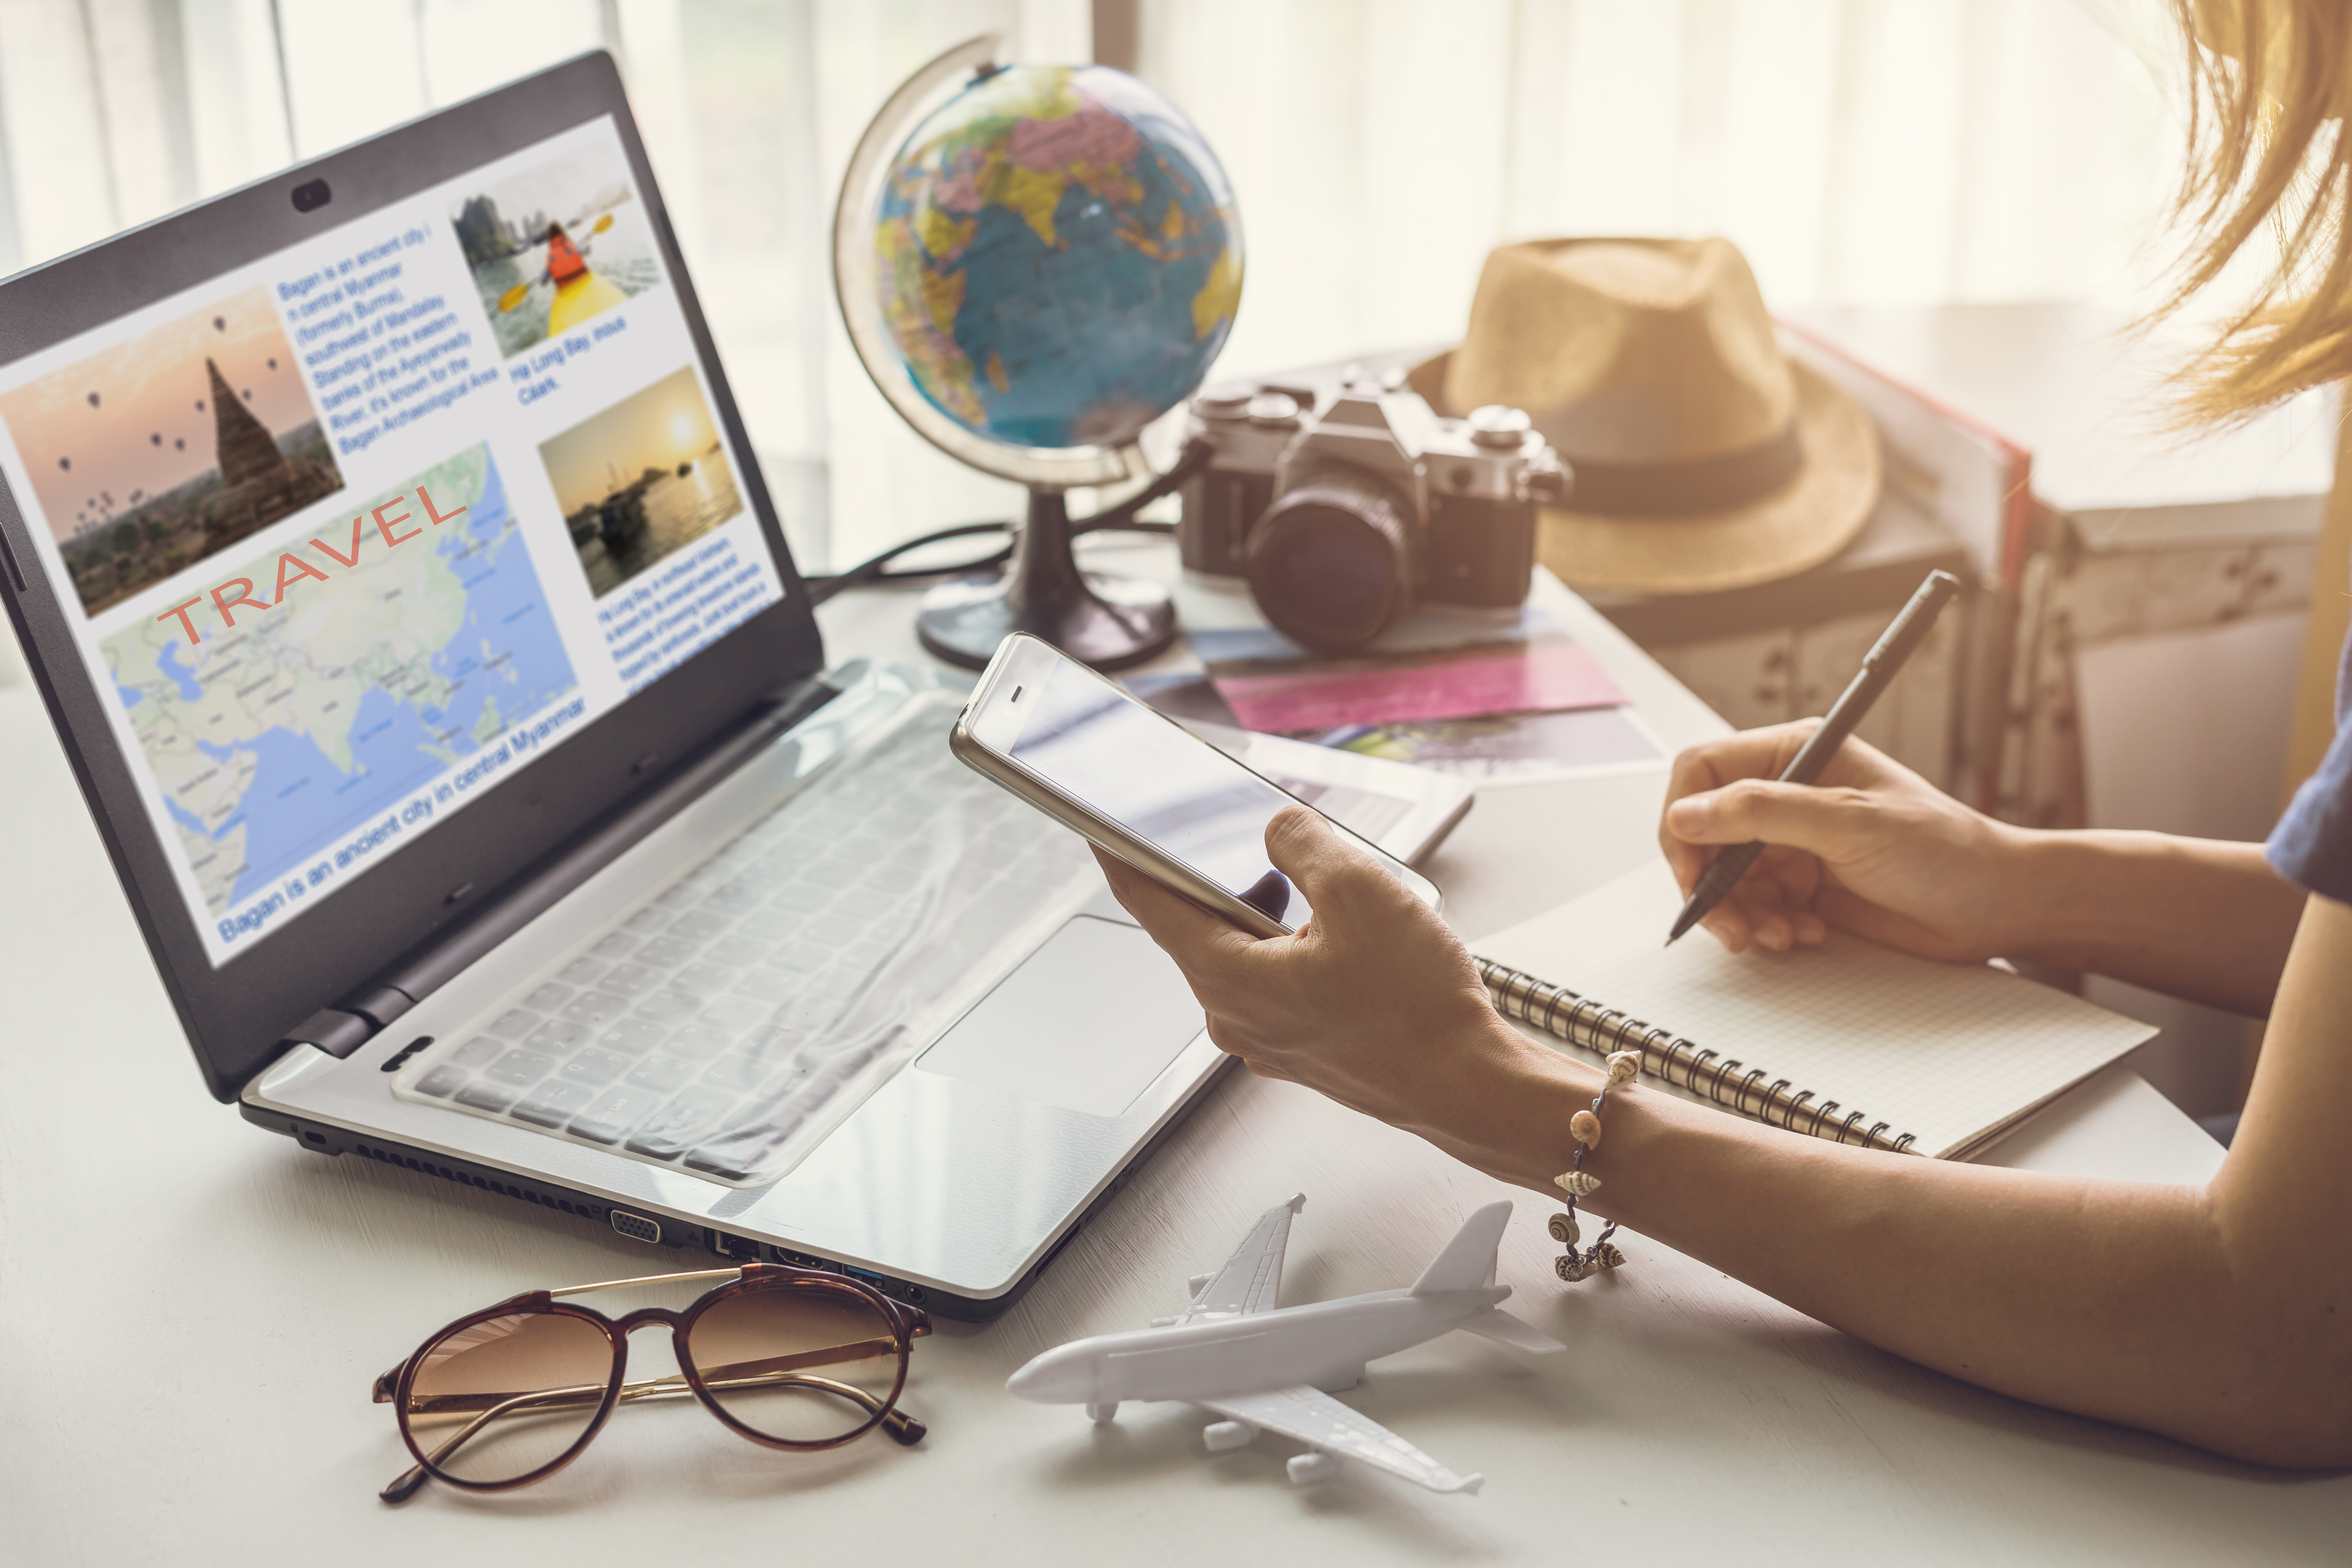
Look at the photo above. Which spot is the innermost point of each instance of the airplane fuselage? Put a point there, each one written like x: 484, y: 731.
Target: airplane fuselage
x: 1323, y: 1344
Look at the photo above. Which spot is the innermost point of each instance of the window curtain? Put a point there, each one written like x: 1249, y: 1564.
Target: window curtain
x: 1858, y: 151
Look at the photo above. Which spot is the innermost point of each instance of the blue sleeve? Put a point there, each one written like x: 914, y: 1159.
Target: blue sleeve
x: 2312, y: 844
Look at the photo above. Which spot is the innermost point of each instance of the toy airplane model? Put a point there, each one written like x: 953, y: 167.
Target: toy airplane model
x: 1233, y: 1351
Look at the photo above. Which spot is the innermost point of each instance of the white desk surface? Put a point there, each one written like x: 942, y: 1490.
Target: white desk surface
x: 191, y: 1310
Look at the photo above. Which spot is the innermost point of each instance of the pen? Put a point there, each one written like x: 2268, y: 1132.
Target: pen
x: 1879, y: 668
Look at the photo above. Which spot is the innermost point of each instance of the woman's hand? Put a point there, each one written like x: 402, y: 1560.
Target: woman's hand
x: 1374, y: 1002
x: 1872, y: 848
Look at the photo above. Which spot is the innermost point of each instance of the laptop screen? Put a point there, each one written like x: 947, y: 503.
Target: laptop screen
x: 357, y: 534
x: 379, y: 533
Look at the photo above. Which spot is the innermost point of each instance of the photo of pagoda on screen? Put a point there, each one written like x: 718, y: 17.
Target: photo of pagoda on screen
x: 153, y: 454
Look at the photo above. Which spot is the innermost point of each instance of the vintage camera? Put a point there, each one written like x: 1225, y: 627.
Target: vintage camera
x: 1344, y: 506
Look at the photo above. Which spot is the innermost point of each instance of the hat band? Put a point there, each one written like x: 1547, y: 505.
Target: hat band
x: 1700, y: 484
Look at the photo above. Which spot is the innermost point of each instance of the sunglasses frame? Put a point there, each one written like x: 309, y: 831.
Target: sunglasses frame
x: 907, y: 1325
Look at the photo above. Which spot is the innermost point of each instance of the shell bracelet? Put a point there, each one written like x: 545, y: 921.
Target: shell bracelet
x: 1585, y: 1128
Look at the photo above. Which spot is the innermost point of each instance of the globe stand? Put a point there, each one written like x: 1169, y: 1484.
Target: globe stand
x: 1107, y: 622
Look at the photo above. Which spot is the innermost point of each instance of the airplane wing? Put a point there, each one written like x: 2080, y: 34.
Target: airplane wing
x: 1250, y: 1277
x: 1307, y: 1415
x: 1495, y: 1324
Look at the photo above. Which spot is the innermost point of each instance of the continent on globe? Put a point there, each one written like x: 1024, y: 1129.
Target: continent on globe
x: 353, y: 671
x: 1058, y: 257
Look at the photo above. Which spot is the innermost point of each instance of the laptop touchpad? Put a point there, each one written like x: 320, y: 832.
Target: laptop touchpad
x: 1086, y: 1023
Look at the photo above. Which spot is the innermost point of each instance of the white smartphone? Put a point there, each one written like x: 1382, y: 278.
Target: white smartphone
x: 1139, y: 786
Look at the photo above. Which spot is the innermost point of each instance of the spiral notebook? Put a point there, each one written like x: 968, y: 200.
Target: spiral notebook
x: 1850, y: 1041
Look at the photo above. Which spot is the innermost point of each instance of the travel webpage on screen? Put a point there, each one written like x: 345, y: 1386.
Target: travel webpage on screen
x: 357, y: 532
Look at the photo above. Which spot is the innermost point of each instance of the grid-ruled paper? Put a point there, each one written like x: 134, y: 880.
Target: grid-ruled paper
x: 1946, y: 1052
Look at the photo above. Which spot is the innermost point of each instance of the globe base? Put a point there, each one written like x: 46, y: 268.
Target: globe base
x: 1109, y: 623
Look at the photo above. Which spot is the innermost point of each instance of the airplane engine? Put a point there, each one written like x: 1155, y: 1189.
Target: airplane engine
x: 1306, y: 1467
x: 1219, y: 1436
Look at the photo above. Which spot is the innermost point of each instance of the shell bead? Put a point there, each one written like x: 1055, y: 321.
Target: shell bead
x: 1573, y: 1269
x: 1585, y: 1128
x: 1610, y: 1256
x: 1577, y: 1183
x: 1625, y: 1067
x: 1563, y: 1229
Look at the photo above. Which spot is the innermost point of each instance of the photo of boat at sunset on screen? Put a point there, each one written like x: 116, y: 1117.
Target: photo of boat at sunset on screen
x: 153, y: 454
x: 645, y: 477
x: 556, y: 247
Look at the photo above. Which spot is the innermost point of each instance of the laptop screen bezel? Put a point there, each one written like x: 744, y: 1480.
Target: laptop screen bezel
x: 238, y: 1015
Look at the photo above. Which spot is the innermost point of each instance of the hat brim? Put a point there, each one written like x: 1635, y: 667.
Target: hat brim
x: 1800, y: 525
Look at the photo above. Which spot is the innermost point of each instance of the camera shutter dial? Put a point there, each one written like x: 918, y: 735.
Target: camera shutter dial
x: 1498, y: 426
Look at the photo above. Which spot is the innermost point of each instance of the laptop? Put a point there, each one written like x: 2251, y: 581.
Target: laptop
x: 388, y: 550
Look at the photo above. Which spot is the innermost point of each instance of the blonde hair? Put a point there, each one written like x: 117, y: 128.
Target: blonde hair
x: 2270, y: 82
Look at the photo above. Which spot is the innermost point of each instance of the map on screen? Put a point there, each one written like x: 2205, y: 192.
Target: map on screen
x: 385, y: 656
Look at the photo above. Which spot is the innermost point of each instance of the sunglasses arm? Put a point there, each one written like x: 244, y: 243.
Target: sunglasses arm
x: 402, y: 1489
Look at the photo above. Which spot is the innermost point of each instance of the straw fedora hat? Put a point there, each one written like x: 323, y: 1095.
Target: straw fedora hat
x: 1703, y: 458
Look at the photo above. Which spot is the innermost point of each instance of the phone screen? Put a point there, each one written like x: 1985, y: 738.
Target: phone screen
x: 1195, y: 804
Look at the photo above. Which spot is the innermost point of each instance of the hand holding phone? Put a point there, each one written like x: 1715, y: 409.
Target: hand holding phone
x: 1139, y: 786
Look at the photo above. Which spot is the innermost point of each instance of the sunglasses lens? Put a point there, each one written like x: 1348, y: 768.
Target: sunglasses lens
x: 801, y: 1364
x: 497, y: 1399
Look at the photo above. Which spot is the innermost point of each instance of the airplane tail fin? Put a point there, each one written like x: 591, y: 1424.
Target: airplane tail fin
x: 1467, y: 1261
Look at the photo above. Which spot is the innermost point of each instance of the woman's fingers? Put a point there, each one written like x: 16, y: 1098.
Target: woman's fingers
x: 1729, y: 924
x: 1739, y: 925
x: 1334, y: 874
x: 1189, y: 934
x: 1713, y: 770
x: 1834, y: 824
x: 1349, y: 1005
x: 1773, y: 905
x: 1752, y: 753
x: 1785, y: 930
x: 1710, y: 765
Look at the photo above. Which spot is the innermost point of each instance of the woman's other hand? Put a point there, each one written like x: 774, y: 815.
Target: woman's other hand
x: 1872, y: 848
x: 1374, y: 1002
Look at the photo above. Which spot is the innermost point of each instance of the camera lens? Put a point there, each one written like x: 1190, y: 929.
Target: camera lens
x: 1329, y: 562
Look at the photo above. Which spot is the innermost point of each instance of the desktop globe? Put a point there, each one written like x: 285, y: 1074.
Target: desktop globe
x: 1032, y: 272
x: 1056, y: 256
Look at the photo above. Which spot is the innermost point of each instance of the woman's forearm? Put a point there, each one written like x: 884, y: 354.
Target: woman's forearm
x: 2114, y: 1300
x: 2194, y: 918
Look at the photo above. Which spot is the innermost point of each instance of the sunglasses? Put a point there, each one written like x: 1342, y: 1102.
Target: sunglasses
x: 511, y: 1393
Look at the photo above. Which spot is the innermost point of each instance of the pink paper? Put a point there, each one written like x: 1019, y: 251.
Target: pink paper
x: 1547, y: 677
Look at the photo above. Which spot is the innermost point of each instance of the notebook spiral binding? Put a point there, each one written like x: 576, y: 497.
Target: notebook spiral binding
x: 1751, y: 1091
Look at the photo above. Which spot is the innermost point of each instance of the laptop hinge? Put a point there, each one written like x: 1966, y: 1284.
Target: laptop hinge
x: 425, y: 971
x: 381, y: 1005
x: 336, y: 1032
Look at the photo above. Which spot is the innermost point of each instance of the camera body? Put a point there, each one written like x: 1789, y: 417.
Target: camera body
x: 1345, y: 506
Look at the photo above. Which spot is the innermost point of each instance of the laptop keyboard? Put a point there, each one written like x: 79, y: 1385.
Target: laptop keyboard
x: 725, y: 1025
